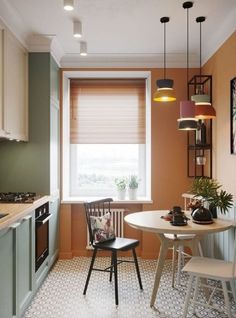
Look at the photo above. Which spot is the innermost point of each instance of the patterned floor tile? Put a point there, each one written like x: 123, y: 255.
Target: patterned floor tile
x: 61, y: 295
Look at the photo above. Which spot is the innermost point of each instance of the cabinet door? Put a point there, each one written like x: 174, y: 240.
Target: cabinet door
x: 25, y: 259
x: 7, y: 273
x: 15, y: 89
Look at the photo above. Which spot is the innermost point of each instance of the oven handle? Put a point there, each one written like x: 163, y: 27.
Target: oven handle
x: 43, y: 221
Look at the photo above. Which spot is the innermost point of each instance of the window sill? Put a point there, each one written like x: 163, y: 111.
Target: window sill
x: 80, y: 200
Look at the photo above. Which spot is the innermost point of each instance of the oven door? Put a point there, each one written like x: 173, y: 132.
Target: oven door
x: 41, y: 239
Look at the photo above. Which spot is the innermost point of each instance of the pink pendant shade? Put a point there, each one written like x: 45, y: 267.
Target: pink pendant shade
x: 187, y: 109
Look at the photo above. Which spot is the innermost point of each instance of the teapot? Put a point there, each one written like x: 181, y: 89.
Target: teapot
x: 202, y: 215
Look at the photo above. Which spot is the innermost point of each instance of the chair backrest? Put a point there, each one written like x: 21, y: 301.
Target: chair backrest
x: 95, y: 208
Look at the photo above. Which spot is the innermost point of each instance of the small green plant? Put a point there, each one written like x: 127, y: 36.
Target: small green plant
x: 120, y: 183
x: 133, y: 182
x: 210, y: 190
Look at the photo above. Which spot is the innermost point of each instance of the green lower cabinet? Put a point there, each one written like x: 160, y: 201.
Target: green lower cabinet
x: 7, y: 273
x: 24, y: 263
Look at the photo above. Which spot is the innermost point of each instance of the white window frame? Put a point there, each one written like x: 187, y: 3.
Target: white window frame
x: 66, y: 76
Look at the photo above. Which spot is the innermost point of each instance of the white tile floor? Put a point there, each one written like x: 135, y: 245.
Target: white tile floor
x: 61, y: 295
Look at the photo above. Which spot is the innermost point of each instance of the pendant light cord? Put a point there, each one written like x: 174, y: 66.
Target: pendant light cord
x: 187, y: 51
x: 200, y: 48
x: 164, y: 20
x: 164, y: 50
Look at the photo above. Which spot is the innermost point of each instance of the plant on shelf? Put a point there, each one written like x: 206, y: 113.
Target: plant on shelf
x: 209, y: 190
x: 120, y: 187
x: 133, y: 183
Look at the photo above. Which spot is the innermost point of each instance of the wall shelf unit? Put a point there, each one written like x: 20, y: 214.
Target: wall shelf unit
x: 199, y: 142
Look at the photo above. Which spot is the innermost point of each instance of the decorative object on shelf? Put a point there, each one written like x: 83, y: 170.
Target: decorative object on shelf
x: 77, y: 29
x: 165, y: 91
x: 121, y: 188
x: 209, y: 191
x: 203, y: 107
x: 200, y: 141
x: 201, y: 133
x: 133, y: 183
x: 233, y: 115
x: 68, y: 5
x: 187, y: 120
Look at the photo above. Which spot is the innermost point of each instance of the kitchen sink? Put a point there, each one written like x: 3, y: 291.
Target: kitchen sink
x: 3, y: 214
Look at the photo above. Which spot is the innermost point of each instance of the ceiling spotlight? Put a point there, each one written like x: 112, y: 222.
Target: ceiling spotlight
x: 83, y: 48
x: 68, y: 5
x: 77, y: 32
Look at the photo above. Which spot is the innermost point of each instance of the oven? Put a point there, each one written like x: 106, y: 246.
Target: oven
x: 42, y: 217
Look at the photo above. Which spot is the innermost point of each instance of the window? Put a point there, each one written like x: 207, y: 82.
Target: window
x: 106, y: 125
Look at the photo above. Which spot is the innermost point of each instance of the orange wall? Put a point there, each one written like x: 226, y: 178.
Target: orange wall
x: 169, y: 174
x: 222, y: 67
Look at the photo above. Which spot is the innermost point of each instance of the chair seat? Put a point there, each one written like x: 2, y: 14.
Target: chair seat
x: 209, y: 267
x: 119, y: 243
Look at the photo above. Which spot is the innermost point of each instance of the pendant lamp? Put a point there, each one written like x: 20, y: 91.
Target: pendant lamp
x: 187, y: 120
x: 165, y: 91
x: 204, y: 109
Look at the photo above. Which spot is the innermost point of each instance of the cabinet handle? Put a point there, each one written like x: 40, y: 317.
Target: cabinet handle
x: 27, y: 217
x: 14, y: 225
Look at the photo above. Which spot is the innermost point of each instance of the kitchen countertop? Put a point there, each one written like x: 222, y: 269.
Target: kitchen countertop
x: 18, y: 210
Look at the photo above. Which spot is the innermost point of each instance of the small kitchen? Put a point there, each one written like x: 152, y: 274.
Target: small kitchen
x: 43, y: 226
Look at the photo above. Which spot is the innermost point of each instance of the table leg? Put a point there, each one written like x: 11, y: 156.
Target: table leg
x: 160, y: 266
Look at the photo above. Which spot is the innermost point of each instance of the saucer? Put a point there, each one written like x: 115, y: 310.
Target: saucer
x: 178, y: 224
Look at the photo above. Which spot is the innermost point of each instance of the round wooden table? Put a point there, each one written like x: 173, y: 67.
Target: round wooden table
x: 151, y: 221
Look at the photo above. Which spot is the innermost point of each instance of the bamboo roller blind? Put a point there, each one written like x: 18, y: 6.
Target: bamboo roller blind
x: 107, y: 111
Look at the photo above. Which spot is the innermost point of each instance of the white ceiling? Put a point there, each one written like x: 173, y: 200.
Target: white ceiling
x: 122, y: 32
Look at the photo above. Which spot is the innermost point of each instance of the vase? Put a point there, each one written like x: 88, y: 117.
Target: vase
x: 121, y: 194
x: 132, y: 194
x: 213, y: 210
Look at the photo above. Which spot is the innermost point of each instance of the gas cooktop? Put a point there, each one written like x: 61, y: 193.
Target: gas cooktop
x: 18, y: 197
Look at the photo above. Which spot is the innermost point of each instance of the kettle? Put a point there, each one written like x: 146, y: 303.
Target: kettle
x: 202, y: 215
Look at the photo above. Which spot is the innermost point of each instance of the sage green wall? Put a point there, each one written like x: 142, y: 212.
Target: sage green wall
x: 26, y: 166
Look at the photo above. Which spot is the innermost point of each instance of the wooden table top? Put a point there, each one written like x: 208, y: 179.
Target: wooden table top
x: 151, y: 221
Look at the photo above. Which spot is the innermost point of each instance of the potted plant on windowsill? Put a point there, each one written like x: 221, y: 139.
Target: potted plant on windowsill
x: 211, y: 196
x: 133, y: 183
x: 121, y: 188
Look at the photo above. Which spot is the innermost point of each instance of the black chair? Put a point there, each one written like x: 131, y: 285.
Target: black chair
x: 117, y: 244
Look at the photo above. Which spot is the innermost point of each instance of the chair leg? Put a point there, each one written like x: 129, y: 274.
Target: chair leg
x: 137, y: 268
x: 200, y: 249
x: 195, y: 294
x: 233, y: 289
x: 114, y: 257
x: 180, y: 254
x: 90, y: 270
x: 111, y: 271
x: 188, y: 293
x: 227, y: 304
x: 173, y: 266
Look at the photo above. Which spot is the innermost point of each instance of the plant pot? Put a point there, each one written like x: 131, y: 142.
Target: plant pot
x: 121, y: 194
x: 132, y: 194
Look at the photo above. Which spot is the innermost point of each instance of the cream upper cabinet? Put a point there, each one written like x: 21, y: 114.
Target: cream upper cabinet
x: 2, y: 133
x: 15, y: 88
